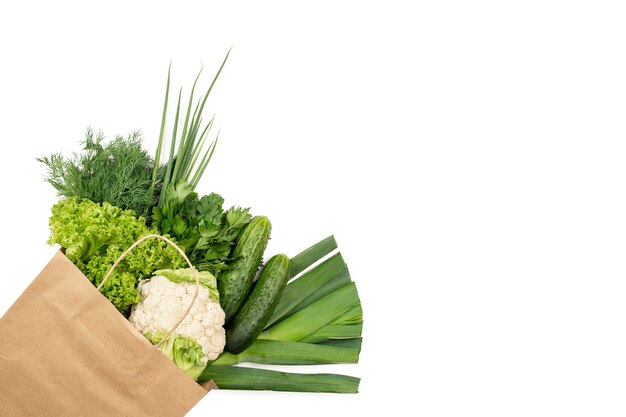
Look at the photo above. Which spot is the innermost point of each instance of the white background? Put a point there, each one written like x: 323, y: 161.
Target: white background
x: 468, y: 156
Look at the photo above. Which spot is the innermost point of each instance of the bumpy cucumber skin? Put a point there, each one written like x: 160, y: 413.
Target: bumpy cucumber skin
x: 235, y: 283
x: 260, y: 305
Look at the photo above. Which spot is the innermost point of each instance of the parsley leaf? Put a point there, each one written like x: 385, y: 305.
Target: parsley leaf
x: 201, y: 226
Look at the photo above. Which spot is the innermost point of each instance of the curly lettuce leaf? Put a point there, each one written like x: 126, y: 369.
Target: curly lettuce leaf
x: 95, y: 235
x: 185, y: 352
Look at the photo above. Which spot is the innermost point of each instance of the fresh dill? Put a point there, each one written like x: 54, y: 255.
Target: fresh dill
x: 119, y: 172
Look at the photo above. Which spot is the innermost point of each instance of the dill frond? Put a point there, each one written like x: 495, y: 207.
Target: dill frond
x: 119, y: 172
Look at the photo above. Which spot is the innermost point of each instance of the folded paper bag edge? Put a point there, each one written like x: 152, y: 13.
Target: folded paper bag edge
x: 209, y: 385
x: 61, y: 266
x: 206, y: 386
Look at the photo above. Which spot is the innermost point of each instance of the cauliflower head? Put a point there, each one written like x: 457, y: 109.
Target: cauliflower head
x: 165, y: 297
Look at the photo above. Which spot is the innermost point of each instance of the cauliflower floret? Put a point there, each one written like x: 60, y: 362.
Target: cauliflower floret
x: 164, y: 303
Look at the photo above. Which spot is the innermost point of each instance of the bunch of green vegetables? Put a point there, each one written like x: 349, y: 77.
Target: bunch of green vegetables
x: 317, y: 320
x: 117, y: 193
x: 123, y: 174
x: 303, y: 310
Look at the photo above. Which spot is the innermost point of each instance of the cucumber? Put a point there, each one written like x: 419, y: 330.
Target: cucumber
x: 259, y: 307
x: 235, y: 283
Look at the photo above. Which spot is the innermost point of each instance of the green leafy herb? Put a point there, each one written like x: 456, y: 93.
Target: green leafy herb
x: 119, y: 173
x: 200, y: 225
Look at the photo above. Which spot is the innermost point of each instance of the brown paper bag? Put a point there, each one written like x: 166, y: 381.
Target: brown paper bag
x: 66, y: 351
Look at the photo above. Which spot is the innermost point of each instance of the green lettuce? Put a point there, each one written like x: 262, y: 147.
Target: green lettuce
x: 185, y: 352
x: 207, y: 280
x: 95, y: 235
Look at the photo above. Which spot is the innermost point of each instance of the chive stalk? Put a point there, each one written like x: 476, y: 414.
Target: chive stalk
x: 187, y: 150
x: 157, y: 157
x: 170, y: 162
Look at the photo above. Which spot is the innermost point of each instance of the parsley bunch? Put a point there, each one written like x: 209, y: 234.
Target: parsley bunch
x: 200, y: 225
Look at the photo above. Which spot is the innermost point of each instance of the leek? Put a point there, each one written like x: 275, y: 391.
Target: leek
x: 241, y: 378
x: 318, y: 320
x: 273, y: 352
x: 338, y: 281
x: 317, y: 315
x: 353, y: 343
x: 335, y: 331
x: 313, y: 254
x: 301, y: 288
